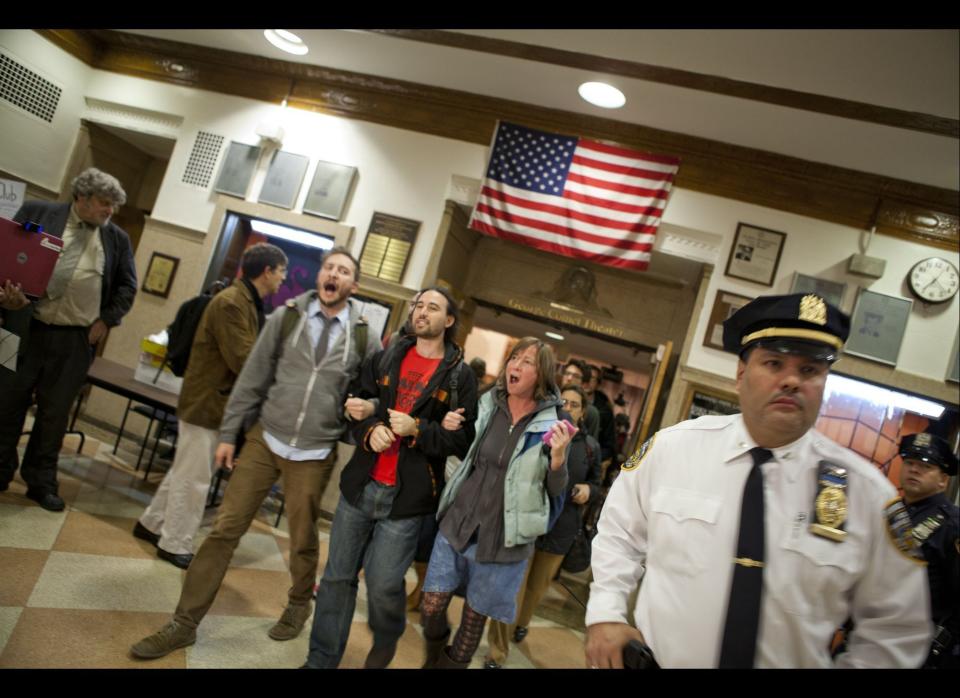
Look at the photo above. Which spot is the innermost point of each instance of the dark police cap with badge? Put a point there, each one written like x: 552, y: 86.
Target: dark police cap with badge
x: 929, y: 449
x: 800, y: 323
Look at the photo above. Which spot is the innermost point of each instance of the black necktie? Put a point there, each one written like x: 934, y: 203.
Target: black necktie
x: 743, y: 611
x: 321, y: 349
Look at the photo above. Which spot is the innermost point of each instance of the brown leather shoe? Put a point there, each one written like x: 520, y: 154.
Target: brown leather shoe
x: 291, y: 622
x: 171, y: 637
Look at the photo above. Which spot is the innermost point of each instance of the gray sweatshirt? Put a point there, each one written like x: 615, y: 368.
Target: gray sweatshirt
x: 297, y: 401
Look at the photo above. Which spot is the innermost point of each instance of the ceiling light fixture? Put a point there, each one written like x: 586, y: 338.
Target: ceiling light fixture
x: 601, y: 94
x: 554, y: 335
x: 286, y: 41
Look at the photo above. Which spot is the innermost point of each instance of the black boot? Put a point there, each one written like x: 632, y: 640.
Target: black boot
x: 444, y: 662
x: 434, y: 649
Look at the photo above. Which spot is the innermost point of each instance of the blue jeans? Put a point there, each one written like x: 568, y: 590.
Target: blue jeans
x: 363, y: 536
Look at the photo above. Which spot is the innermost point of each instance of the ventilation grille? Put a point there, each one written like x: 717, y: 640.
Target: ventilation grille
x: 203, y: 158
x: 25, y: 89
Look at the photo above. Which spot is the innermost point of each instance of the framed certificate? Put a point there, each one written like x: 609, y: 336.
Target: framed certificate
x: 237, y: 169
x: 755, y: 254
x: 160, y: 273
x: 877, y: 326
x: 830, y: 291
x: 725, y: 304
x: 953, y: 369
x: 284, y: 178
x: 329, y: 190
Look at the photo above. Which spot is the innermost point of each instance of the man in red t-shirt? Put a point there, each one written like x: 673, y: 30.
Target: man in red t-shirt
x: 394, y: 478
x: 415, y: 372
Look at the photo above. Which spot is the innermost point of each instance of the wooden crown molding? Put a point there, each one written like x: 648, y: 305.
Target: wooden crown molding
x: 807, y: 101
x: 806, y: 188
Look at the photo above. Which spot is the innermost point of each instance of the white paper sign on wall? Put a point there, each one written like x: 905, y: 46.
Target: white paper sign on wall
x: 11, y: 197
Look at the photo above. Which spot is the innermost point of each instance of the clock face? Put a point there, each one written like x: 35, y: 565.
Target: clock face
x: 934, y: 280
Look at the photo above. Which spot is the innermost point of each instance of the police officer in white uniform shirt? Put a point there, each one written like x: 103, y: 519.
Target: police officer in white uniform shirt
x: 753, y: 535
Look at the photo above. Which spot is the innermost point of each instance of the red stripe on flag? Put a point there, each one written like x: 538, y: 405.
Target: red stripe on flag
x: 613, y: 186
x: 630, y: 226
x: 523, y: 221
x: 627, y: 153
x: 621, y: 169
x: 609, y: 260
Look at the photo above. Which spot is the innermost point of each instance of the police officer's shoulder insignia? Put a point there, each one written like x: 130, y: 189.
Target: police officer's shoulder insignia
x: 633, y: 462
x: 900, y: 531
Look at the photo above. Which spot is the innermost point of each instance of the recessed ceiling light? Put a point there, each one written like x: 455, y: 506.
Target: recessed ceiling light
x: 286, y: 41
x: 602, y: 95
x: 554, y: 335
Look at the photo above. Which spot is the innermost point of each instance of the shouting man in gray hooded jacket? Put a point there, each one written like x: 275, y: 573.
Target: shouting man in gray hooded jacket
x: 291, y: 391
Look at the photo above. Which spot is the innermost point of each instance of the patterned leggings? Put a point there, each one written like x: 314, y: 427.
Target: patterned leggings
x: 469, y: 634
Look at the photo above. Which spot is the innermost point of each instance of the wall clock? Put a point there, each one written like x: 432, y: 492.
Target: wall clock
x: 934, y: 280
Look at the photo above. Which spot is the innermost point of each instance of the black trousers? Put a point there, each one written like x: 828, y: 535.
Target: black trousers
x: 53, y: 367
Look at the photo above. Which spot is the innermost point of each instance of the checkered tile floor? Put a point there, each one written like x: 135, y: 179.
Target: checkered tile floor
x: 77, y: 589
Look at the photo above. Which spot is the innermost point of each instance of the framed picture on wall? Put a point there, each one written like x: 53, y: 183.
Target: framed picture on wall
x: 284, y: 178
x: 160, y: 273
x: 700, y: 401
x: 329, y: 190
x: 725, y: 304
x: 953, y: 368
x: 755, y: 254
x: 237, y: 169
x: 830, y: 291
x: 877, y: 327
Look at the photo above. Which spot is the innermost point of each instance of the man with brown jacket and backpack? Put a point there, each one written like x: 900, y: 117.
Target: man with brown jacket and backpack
x: 227, y: 331
x: 289, y: 401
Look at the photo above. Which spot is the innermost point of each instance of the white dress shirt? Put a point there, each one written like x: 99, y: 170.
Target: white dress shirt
x: 674, y: 521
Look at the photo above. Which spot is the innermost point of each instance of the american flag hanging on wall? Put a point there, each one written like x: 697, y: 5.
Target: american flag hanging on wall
x: 573, y: 196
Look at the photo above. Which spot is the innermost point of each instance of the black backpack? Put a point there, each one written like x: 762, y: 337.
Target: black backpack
x: 181, y: 331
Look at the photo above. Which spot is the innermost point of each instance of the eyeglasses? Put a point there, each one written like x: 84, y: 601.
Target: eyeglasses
x: 571, y: 403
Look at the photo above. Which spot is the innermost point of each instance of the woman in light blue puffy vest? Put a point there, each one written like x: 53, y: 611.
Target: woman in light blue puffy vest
x: 496, y: 504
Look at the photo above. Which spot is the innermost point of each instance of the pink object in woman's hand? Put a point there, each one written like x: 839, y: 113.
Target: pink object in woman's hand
x: 549, y: 432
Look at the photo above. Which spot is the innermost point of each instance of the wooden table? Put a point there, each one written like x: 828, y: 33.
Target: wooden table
x: 118, y: 379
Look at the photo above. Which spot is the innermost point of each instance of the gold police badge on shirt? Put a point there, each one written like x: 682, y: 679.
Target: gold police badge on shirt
x: 830, y: 502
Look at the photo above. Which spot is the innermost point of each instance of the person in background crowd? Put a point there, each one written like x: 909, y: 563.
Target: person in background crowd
x: 583, y: 466
x: 91, y: 289
x: 289, y: 398
x: 495, y: 505
x: 394, y: 479
x: 606, y: 432
x: 227, y: 331
x: 577, y: 372
x: 928, y: 464
x: 754, y: 535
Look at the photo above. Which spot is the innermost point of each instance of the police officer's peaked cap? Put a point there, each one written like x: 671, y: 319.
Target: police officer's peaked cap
x: 929, y: 449
x: 800, y: 323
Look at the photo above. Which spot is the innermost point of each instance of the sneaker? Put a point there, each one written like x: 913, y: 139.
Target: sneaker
x: 172, y: 637
x: 291, y: 622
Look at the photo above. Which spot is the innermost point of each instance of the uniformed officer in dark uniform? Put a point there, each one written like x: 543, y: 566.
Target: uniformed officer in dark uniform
x: 928, y: 464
